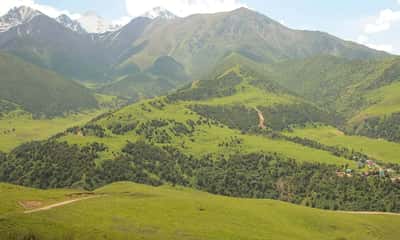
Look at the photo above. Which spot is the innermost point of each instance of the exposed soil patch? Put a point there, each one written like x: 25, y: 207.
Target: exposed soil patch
x: 45, y: 208
x: 261, y: 123
x: 30, y: 204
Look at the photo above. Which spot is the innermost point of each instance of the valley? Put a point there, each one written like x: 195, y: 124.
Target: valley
x: 226, y: 125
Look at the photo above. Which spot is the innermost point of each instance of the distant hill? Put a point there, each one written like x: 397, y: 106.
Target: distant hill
x: 163, y: 76
x: 39, y: 91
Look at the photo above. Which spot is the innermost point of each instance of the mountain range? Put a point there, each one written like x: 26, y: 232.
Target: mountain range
x: 197, y: 42
x: 159, y: 52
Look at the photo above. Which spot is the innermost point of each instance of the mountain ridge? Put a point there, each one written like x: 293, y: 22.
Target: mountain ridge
x: 198, y: 42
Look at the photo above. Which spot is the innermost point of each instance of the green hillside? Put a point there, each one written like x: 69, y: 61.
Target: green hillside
x: 210, y: 112
x: 41, y: 92
x: 21, y: 128
x: 176, y: 213
x: 163, y: 76
x: 361, y: 94
x: 379, y: 149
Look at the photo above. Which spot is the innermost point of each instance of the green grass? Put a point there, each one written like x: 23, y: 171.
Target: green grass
x: 132, y: 211
x: 11, y: 195
x: 28, y: 129
x: 206, y: 138
x: 386, y: 101
x: 377, y: 148
x: 39, y: 91
x: 252, y: 97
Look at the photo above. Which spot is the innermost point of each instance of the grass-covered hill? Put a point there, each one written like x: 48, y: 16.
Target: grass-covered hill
x: 204, y: 115
x: 38, y: 91
x: 163, y: 76
x: 363, y: 92
x: 131, y: 211
x: 343, y: 85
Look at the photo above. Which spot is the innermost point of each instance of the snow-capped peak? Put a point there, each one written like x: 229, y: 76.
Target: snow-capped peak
x: 159, y: 12
x: 93, y: 23
x: 71, y: 24
x: 17, y: 16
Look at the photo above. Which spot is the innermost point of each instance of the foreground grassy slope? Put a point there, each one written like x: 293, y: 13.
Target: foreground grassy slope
x: 377, y: 148
x: 132, y: 211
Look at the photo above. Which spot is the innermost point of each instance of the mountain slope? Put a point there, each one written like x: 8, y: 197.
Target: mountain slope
x: 209, y: 113
x: 47, y: 43
x: 200, y: 41
x: 163, y: 76
x: 39, y: 91
x: 17, y: 16
x: 71, y: 24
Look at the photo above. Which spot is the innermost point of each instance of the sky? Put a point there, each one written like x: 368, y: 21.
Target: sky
x: 375, y: 23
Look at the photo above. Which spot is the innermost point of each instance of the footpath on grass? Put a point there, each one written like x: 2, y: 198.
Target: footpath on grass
x: 261, y: 123
x: 60, y: 204
x: 369, y: 213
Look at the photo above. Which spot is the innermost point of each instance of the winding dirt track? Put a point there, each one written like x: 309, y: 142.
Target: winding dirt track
x: 369, y: 213
x: 261, y: 123
x: 59, y: 204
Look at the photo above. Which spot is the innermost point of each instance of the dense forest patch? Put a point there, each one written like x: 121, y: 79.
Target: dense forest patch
x: 387, y: 127
x: 277, y: 117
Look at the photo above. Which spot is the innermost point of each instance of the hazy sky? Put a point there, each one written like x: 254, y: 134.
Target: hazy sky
x: 375, y: 23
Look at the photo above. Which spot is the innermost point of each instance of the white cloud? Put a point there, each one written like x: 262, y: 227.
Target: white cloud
x: 362, y: 39
x: 121, y: 21
x: 182, y: 8
x: 383, y: 22
x: 6, y: 5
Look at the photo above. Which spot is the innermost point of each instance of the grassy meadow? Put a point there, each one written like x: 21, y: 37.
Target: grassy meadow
x: 15, y: 130
x: 379, y: 149
x: 205, y: 140
x: 132, y: 211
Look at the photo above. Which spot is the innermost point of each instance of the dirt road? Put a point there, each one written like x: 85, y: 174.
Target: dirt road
x: 369, y: 213
x: 58, y: 204
x: 261, y: 123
